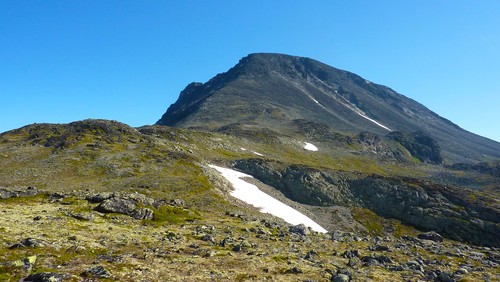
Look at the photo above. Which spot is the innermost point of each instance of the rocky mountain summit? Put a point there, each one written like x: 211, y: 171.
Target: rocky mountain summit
x: 274, y: 91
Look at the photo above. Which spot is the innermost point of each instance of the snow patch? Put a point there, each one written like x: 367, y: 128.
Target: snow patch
x: 243, y: 149
x: 310, y: 147
x: 250, y: 194
x: 374, y: 121
x: 258, y: 154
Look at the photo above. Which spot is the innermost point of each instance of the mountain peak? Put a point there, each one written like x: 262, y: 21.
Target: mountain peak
x: 269, y: 91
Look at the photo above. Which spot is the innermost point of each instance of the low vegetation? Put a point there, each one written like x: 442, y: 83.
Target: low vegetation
x: 184, y: 226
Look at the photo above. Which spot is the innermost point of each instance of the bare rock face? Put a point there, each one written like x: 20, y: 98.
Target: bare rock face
x: 420, y: 145
x: 456, y: 213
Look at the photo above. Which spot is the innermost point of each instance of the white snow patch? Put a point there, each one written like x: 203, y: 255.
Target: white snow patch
x: 310, y: 147
x: 374, y: 121
x: 250, y: 194
x: 243, y: 149
x: 258, y: 154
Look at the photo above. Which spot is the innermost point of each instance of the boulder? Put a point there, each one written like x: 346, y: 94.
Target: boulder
x: 300, y: 229
x: 46, y: 277
x: 432, y: 236
x: 340, y: 278
x: 96, y: 272
x: 116, y: 205
x: 142, y: 213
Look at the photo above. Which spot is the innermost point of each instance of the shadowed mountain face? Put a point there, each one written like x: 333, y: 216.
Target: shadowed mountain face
x: 273, y: 91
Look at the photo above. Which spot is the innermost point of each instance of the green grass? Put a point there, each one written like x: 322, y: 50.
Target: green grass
x: 174, y: 215
x: 370, y: 220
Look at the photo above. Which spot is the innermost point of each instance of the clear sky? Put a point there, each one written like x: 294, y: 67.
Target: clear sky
x: 62, y: 61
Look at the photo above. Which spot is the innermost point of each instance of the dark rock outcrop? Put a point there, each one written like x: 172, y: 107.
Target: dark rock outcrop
x: 420, y: 145
x: 455, y: 213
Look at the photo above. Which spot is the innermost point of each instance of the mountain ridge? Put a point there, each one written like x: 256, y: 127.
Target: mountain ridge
x: 269, y: 90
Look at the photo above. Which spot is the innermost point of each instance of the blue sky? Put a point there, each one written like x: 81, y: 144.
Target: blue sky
x: 62, y: 61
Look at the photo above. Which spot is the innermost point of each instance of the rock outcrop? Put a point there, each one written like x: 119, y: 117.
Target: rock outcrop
x: 455, y: 213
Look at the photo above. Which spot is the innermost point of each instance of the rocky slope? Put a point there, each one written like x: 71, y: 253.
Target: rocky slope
x: 100, y: 200
x: 460, y: 214
x: 274, y: 91
x: 65, y: 236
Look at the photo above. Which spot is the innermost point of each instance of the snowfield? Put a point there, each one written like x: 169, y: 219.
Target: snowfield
x: 250, y: 194
x: 310, y: 147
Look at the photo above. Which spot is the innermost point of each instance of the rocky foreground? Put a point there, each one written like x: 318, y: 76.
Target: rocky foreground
x: 125, y: 236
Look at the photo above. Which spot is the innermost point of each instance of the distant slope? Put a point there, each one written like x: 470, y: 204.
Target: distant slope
x: 273, y: 90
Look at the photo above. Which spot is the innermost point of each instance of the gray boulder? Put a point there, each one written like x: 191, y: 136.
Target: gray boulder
x: 340, y: 278
x: 432, y: 236
x: 116, y: 205
x: 300, y: 229
x: 142, y: 213
x: 96, y: 272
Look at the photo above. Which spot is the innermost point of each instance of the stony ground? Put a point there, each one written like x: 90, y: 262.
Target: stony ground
x: 87, y: 236
x: 116, y: 203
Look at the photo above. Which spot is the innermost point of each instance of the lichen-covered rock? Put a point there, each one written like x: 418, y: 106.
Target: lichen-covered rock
x: 96, y: 272
x: 46, y: 277
x: 6, y: 193
x: 86, y: 216
x: 99, y: 197
x: 116, y: 205
x: 340, y: 278
x: 142, y: 213
x: 26, y: 263
x: 28, y: 242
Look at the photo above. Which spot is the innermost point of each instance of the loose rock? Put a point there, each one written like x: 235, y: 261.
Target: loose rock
x: 340, y: 278
x: 142, y: 213
x: 45, y: 277
x: 96, y: 272
x: 432, y: 236
x: 300, y: 229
